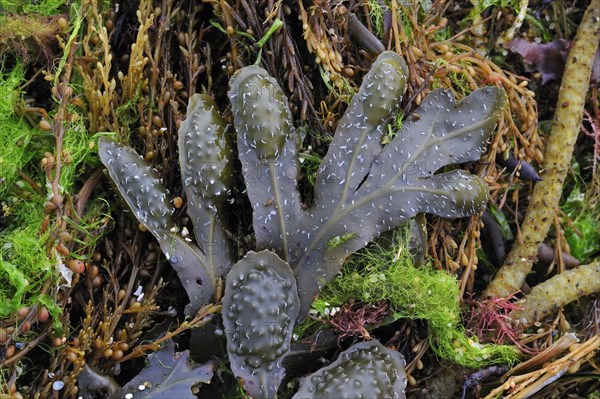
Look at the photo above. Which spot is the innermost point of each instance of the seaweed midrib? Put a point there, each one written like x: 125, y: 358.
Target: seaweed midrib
x: 280, y: 211
x: 386, y: 189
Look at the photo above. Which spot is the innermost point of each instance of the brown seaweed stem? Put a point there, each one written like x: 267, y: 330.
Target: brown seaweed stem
x: 28, y: 347
x: 364, y: 37
x: 200, y: 319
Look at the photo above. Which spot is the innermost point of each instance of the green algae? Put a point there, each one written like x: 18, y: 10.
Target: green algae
x: 24, y: 266
x: 27, y: 261
x: 584, y: 238
x: 44, y: 7
x: 379, y: 274
x: 15, y: 133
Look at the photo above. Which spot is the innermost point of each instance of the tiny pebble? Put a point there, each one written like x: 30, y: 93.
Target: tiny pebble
x: 142, y: 387
x: 58, y: 385
x: 129, y: 396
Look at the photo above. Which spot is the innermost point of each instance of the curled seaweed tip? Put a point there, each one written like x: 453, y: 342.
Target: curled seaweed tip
x: 382, y: 89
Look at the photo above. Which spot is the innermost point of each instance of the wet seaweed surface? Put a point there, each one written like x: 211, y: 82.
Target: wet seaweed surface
x: 291, y: 199
x: 380, y: 186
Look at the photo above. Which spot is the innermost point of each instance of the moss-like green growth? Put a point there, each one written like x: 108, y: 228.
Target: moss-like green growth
x: 15, y: 134
x: 24, y: 267
x: 376, y: 11
x: 585, y: 214
x: 44, y: 7
x: 378, y: 274
x: 27, y: 262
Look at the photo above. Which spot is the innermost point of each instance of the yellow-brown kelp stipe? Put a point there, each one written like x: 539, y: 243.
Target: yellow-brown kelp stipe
x: 543, y: 205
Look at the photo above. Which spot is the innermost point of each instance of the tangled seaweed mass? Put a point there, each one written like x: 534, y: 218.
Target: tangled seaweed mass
x: 363, y: 188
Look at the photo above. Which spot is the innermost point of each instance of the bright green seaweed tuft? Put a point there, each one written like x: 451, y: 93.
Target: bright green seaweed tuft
x: 23, y: 264
x: 15, y: 134
x: 44, y: 7
x: 584, y: 240
x: 27, y: 263
x: 378, y: 274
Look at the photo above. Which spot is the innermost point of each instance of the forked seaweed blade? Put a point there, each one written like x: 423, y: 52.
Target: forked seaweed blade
x: 440, y: 132
x: 167, y: 375
x: 357, y: 140
x: 205, y: 158
x: 260, y: 306
x: 267, y: 148
x: 141, y: 188
x: 400, y: 184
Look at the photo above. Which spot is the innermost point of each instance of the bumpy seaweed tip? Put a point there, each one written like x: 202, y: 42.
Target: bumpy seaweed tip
x: 260, y: 110
x: 382, y: 88
x: 471, y: 196
x: 259, y: 308
x: 139, y: 185
x: 365, y: 370
x: 455, y: 194
x: 205, y: 150
x: 468, y: 194
x: 258, y: 299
